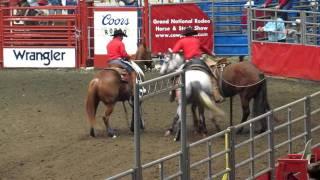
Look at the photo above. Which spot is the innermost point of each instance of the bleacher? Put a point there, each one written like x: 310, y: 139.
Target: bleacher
x: 230, y: 26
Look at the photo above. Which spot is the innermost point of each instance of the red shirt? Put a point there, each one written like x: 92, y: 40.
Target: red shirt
x: 116, y: 49
x: 191, y: 47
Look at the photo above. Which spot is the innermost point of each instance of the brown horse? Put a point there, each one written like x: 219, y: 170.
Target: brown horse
x: 110, y: 85
x: 143, y: 57
x: 248, y: 82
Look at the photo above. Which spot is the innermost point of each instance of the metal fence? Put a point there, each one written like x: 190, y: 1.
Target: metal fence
x: 246, y: 156
x: 302, y: 27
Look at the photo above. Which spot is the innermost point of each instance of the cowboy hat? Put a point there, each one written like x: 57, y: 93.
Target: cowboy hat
x: 189, y: 32
x: 119, y: 32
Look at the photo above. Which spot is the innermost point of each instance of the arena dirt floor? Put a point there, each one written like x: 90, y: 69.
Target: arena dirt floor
x: 44, y: 131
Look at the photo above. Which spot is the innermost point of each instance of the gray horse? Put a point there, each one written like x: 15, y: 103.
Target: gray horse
x: 198, y: 92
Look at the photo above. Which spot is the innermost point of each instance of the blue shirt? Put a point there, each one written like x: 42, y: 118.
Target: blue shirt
x: 276, y: 30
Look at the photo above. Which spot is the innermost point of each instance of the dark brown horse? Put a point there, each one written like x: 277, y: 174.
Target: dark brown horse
x: 248, y: 82
x: 110, y: 85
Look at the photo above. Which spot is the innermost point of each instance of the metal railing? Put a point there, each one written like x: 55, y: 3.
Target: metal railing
x: 246, y: 156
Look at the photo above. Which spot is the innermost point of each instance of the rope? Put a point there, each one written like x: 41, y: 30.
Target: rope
x: 234, y: 85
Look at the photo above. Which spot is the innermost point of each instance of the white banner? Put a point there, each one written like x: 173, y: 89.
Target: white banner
x: 105, y: 22
x: 39, y: 57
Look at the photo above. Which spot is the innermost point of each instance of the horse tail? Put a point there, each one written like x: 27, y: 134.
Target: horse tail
x: 92, y: 104
x: 261, y: 104
x: 204, y: 99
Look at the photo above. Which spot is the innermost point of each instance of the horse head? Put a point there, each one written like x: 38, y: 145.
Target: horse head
x: 171, y: 62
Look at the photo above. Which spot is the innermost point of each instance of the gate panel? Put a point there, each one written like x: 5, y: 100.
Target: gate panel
x: 40, y: 36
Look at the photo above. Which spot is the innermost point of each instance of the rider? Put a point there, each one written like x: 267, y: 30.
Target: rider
x: 193, y: 50
x: 117, y: 54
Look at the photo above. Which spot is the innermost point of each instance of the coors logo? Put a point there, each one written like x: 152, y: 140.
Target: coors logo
x: 109, y: 20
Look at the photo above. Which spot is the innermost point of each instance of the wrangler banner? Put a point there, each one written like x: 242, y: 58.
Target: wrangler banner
x: 168, y: 22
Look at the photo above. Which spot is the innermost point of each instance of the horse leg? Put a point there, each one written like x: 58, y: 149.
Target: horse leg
x: 173, y: 125
x: 245, y: 103
x: 241, y: 58
x: 178, y: 133
x: 140, y: 117
x: 213, y: 120
x: 202, y: 125
x: 109, y: 109
x: 125, y: 113
x: 195, y: 118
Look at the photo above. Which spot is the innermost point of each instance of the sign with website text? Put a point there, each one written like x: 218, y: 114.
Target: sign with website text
x: 39, y: 58
x: 168, y: 22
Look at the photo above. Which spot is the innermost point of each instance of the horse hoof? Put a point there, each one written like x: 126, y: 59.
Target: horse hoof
x: 167, y: 133
x: 114, y: 136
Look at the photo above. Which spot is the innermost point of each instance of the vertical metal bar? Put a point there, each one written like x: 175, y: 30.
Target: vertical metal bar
x: 307, y: 110
x: 290, y: 130
x: 149, y: 27
x: 1, y: 35
x: 271, y: 145
x: 231, y: 111
x: 138, y: 166
x: 303, y: 27
x: 231, y: 154
x: 184, y: 147
x: 161, y: 167
x: 249, y: 30
x: 251, y: 150
x: 210, y: 161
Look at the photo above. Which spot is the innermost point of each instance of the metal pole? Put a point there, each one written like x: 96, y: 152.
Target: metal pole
x: 138, y: 166
x: 231, y: 154
x: 249, y: 30
x: 184, y: 146
x: 231, y: 111
x: 271, y: 145
x: 307, y: 109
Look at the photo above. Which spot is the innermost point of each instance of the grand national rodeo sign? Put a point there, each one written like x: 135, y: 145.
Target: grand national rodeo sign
x: 169, y: 20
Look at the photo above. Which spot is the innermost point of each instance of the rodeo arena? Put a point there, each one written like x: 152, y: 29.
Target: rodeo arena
x: 66, y: 113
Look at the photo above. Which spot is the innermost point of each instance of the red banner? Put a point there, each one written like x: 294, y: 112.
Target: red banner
x: 168, y: 21
x: 287, y: 60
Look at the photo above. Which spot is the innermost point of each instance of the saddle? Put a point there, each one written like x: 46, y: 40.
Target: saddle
x: 198, y: 64
x: 123, y: 73
x: 122, y: 69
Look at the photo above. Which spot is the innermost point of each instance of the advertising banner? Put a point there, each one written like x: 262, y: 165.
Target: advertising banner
x: 168, y: 22
x: 39, y: 57
x: 105, y: 23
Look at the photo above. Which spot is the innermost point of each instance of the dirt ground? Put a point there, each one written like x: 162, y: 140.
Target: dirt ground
x: 44, y: 131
